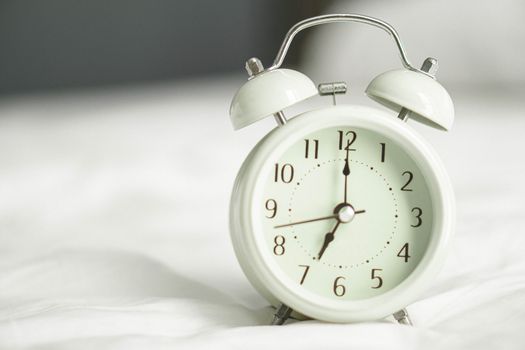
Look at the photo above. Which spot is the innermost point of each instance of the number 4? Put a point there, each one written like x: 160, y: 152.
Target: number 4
x: 403, y: 253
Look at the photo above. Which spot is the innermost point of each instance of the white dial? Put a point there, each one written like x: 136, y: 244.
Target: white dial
x: 347, y: 213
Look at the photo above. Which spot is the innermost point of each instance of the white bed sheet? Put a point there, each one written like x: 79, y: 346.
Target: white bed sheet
x: 113, y: 228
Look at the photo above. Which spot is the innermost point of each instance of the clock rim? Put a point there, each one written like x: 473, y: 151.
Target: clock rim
x: 247, y: 236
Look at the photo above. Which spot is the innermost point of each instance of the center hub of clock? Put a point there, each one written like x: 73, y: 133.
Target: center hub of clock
x: 345, y: 212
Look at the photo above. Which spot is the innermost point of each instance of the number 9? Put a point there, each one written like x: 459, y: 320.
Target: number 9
x: 271, y: 206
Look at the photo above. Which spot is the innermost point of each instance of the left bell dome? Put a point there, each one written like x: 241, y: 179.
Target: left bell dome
x: 267, y: 93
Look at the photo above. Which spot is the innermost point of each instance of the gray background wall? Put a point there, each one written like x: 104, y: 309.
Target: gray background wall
x: 60, y: 44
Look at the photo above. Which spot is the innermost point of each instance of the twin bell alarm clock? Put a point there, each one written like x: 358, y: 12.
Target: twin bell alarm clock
x: 343, y: 213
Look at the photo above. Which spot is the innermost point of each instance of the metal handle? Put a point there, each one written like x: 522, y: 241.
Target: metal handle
x: 315, y: 21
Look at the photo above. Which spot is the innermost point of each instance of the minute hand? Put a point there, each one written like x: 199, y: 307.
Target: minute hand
x: 346, y: 172
x: 335, y: 216
x: 306, y: 221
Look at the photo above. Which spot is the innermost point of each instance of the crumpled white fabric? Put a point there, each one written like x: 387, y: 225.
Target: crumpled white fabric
x: 113, y: 228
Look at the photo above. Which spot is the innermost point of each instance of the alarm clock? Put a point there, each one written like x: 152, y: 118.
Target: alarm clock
x: 342, y: 213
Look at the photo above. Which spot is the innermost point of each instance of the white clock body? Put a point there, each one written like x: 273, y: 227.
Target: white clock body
x: 394, y: 213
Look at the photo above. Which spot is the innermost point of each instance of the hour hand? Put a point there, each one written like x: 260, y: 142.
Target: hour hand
x: 328, y: 238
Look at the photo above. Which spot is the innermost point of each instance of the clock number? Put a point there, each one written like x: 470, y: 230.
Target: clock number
x: 410, y: 177
x: 278, y: 249
x: 419, y: 212
x: 271, y: 206
x: 286, y: 173
x: 339, y: 289
x: 349, y: 141
x: 403, y: 253
x: 306, y: 268
x: 307, y: 148
x: 375, y: 276
x: 383, y: 150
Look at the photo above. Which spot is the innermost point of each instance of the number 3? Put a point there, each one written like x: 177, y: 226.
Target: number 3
x: 418, y: 213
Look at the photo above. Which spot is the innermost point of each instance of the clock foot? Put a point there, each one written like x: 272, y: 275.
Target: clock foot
x: 282, y: 314
x: 402, y: 317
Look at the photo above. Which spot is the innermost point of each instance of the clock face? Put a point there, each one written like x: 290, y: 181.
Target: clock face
x: 346, y: 213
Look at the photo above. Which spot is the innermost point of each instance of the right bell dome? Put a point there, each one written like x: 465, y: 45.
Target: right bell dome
x: 425, y: 98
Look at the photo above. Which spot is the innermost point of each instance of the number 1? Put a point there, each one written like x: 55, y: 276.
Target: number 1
x: 383, y: 149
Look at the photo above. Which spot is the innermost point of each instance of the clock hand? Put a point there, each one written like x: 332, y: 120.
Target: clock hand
x: 346, y: 172
x: 329, y: 237
x: 335, y: 216
x: 305, y: 221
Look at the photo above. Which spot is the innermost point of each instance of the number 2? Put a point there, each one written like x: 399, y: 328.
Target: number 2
x: 410, y: 177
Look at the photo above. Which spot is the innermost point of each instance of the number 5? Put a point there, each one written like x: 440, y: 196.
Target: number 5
x: 378, y: 278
